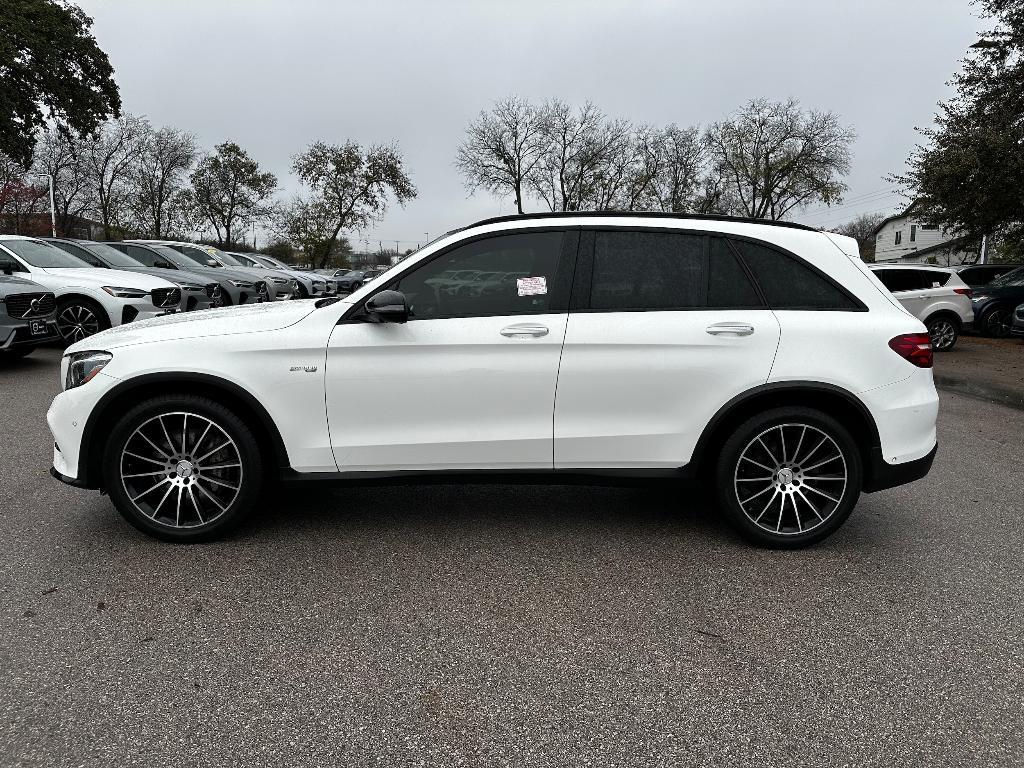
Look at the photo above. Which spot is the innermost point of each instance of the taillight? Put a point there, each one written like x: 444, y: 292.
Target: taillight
x: 962, y: 291
x: 913, y: 347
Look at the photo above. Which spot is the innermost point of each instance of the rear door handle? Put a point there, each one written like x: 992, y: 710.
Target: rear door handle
x: 524, y: 331
x: 730, y: 329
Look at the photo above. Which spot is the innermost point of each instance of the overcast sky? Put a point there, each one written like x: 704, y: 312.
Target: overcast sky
x: 274, y: 76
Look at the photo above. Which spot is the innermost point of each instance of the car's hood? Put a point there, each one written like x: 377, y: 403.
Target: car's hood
x: 10, y: 284
x: 94, y: 276
x: 203, y: 323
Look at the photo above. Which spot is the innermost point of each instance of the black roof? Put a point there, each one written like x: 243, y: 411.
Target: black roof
x: 637, y: 214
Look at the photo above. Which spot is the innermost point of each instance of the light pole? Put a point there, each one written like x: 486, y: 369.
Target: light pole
x: 53, y: 206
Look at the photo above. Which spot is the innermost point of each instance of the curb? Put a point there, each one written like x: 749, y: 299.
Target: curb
x: 992, y: 393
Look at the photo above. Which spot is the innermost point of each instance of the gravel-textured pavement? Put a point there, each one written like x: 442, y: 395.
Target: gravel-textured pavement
x: 514, y: 626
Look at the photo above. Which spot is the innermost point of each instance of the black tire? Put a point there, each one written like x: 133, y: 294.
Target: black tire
x: 303, y: 293
x: 219, y: 490
x: 944, y: 332
x: 73, y: 322
x: 740, y: 457
x: 996, y: 322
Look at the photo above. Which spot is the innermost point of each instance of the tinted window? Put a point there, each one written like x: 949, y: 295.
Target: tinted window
x: 76, y: 250
x: 929, y: 278
x: 199, y: 257
x: 43, y: 255
x: 1014, y: 278
x: 897, y: 280
x: 525, y: 262
x: 788, y: 283
x: 648, y: 270
x: 728, y: 285
x: 113, y: 257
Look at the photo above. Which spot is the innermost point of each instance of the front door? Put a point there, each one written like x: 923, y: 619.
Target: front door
x: 469, y: 381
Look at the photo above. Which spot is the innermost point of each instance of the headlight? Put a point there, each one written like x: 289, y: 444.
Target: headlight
x: 241, y: 283
x: 83, y: 366
x: 125, y: 293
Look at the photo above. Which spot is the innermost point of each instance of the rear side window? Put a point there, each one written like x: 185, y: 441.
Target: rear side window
x: 898, y: 280
x: 788, y: 283
x: 929, y: 278
x: 638, y: 270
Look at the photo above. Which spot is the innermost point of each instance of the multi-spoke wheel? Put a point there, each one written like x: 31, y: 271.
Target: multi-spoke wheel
x: 997, y: 322
x: 262, y: 293
x: 78, y: 319
x: 943, y: 332
x: 789, y: 477
x: 182, y: 468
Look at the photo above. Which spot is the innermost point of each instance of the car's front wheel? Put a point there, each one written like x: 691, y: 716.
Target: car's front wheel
x: 79, y: 318
x: 182, y: 468
x: 789, y: 477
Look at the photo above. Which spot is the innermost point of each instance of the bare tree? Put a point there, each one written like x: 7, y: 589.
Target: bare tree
x: 350, y: 189
x: 775, y: 157
x: 109, y: 155
x: 862, y: 229
x: 62, y: 155
x: 502, y: 147
x: 674, y: 160
x: 229, y: 191
x: 577, y: 167
x: 157, y: 178
x: 21, y: 200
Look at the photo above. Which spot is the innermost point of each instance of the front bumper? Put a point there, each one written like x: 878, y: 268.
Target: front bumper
x: 20, y: 336
x: 67, y: 418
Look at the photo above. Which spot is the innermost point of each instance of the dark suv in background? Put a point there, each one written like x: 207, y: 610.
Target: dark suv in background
x: 977, y: 275
x: 29, y: 316
x: 995, y: 303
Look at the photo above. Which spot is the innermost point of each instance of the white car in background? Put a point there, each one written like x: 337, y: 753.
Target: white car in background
x: 934, y: 295
x: 89, y: 299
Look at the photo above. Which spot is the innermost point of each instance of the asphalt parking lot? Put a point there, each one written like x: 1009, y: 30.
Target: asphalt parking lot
x: 514, y: 626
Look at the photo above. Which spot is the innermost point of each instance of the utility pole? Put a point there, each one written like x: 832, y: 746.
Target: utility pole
x: 53, y: 205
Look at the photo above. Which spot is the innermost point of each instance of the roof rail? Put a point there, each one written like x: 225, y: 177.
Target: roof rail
x: 638, y: 214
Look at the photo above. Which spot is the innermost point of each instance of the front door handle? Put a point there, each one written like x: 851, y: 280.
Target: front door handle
x: 524, y: 331
x: 730, y: 329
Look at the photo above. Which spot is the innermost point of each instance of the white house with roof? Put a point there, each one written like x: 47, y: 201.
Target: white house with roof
x: 905, y: 238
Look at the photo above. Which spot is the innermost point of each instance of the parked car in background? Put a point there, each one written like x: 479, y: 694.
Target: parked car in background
x: 269, y: 287
x: 351, y: 280
x: 89, y: 300
x: 1017, y: 327
x: 977, y: 275
x: 307, y: 284
x: 197, y: 292
x: 236, y: 287
x: 934, y: 295
x: 994, y: 303
x: 29, y: 316
x: 761, y: 357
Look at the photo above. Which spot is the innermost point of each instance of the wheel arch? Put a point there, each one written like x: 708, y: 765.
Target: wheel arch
x: 837, y: 402
x: 949, y: 314
x: 125, y: 395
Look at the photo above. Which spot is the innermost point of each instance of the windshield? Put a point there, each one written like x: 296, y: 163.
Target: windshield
x: 1014, y: 278
x: 43, y: 255
x: 111, y: 256
x: 228, y: 259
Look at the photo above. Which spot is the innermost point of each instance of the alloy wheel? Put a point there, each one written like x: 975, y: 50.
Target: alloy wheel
x: 261, y: 293
x: 997, y: 322
x: 76, y: 322
x: 181, y: 470
x: 943, y: 334
x: 790, y: 478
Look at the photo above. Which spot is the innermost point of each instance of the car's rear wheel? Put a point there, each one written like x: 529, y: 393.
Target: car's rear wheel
x: 182, y: 468
x: 789, y: 477
x: 996, y: 322
x: 944, y: 333
x: 80, y: 318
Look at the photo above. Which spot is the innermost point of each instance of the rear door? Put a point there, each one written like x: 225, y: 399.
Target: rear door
x: 666, y: 327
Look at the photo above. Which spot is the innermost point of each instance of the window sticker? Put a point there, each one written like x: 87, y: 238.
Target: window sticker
x: 532, y: 286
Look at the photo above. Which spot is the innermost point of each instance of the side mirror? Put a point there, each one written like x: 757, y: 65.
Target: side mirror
x: 212, y: 263
x: 387, y: 307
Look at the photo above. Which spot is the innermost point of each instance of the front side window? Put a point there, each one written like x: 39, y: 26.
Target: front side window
x: 111, y: 256
x: 788, y: 283
x: 434, y: 291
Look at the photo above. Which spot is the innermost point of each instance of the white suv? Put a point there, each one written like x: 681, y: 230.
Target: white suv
x: 89, y: 299
x: 764, y: 359
x: 935, y: 296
